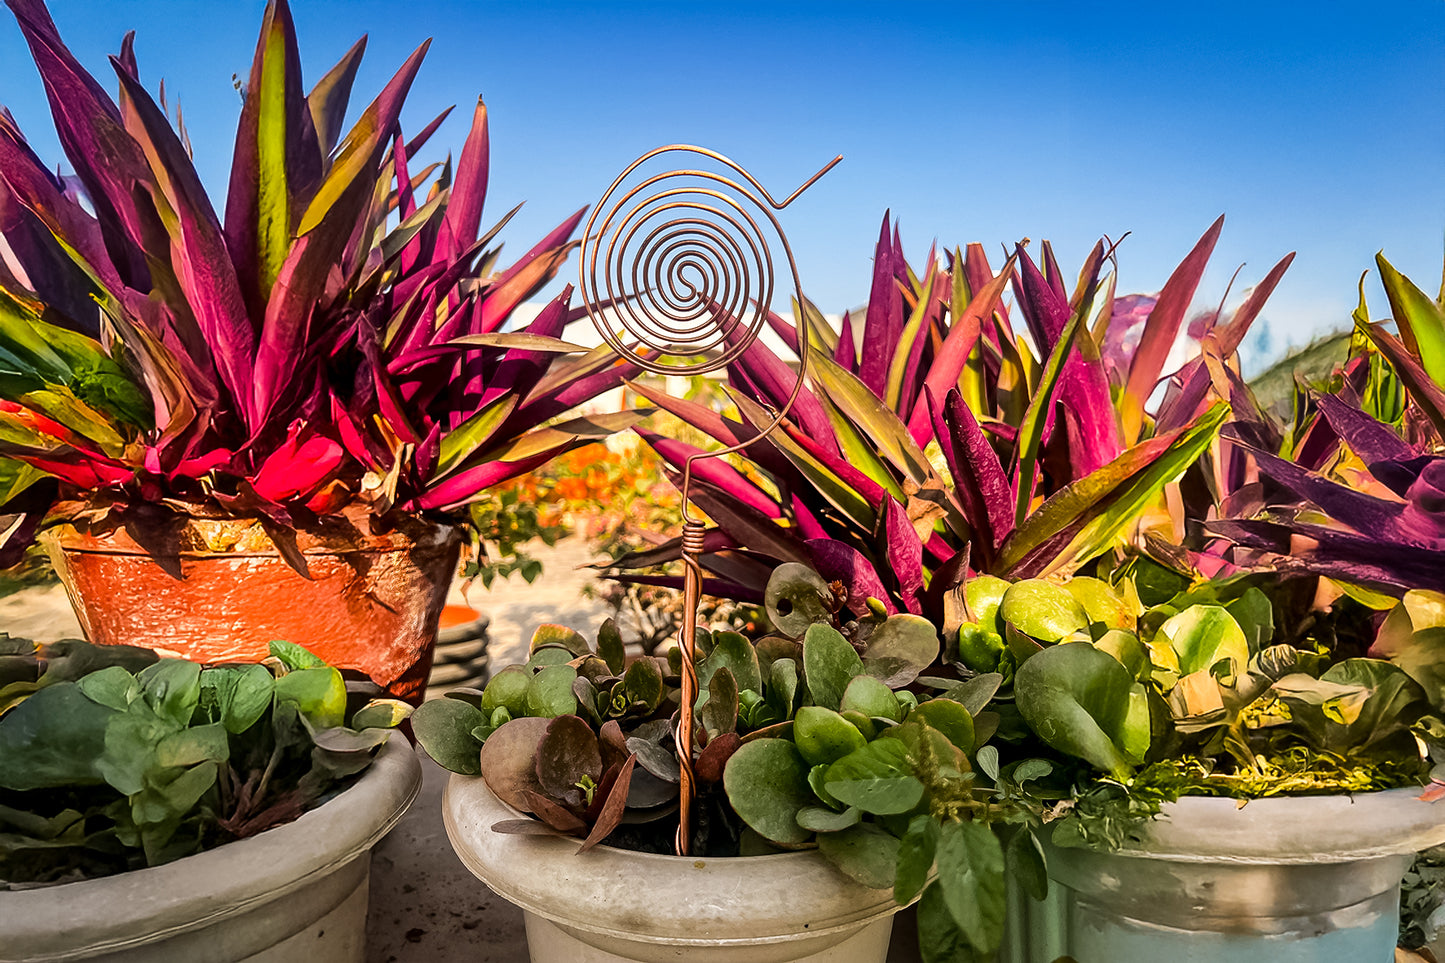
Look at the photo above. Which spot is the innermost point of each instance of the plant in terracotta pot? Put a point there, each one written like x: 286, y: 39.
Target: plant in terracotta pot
x: 319, y: 378
x: 832, y: 779
x: 121, y: 765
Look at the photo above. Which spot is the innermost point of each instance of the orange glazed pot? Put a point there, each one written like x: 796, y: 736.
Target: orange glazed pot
x: 218, y: 590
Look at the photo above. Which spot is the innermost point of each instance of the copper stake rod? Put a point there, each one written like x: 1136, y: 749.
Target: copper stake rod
x: 684, y: 287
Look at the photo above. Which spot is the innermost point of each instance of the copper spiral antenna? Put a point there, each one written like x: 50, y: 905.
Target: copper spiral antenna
x: 678, y: 278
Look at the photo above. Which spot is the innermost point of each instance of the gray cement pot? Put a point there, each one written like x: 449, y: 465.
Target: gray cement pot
x: 610, y: 905
x: 1281, y: 880
x: 296, y: 892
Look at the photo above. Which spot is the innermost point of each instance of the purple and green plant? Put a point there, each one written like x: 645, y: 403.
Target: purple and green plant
x: 1354, y: 487
x: 340, y: 340
x: 936, y: 439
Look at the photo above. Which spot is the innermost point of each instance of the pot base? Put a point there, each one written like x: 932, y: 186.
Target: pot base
x: 547, y: 942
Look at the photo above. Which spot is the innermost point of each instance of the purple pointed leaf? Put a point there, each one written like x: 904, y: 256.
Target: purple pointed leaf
x: 838, y: 561
x: 198, y: 249
x: 713, y: 471
x: 949, y: 362
x: 328, y: 99
x: 1160, y: 331
x: 978, y: 476
x: 884, y: 316
x: 904, y: 552
x: 469, y: 188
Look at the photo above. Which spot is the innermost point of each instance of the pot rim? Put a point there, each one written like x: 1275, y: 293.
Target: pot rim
x: 196, y: 891
x: 865, y: 906
x: 1288, y: 829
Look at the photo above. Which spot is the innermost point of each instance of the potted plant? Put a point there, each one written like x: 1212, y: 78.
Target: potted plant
x: 937, y: 442
x: 156, y: 808
x: 1235, y: 777
x: 832, y: 778
x: 272, y: 425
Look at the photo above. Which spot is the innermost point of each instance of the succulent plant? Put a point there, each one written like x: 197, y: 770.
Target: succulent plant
x: 116, y: 758
x: 334, y: 344
x: 822, y: 735
x: 1246, y: 686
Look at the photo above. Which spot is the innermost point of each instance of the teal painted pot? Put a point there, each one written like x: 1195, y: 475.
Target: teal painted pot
x: 1284, y: 880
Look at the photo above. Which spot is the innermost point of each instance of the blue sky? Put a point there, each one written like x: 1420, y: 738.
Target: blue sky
x: 1317, y: 127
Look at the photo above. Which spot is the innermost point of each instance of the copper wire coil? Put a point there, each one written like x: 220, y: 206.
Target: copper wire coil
x: 688, y: 279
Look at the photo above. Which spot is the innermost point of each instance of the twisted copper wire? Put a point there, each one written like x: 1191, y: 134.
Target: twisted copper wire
x: 689, y: 276
x: 693, y: 533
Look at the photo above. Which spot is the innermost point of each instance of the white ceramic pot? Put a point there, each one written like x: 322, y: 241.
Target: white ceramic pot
x: 1281, y: 880
x: 295, y: 892
x: 610, y: 905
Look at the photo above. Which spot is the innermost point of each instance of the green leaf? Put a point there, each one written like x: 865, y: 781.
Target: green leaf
x: 1202, y: 635
x: 1031, y: 429
x: 570, y: 639
x: 970, y: 874
x: 610, y: 647
x: 112, y: 687
x: 820, y: 819
x: 915, y: 858
x: 795, y: 598
x: 949, y: 718
x: 901, y: 648
x: 824, y: 736
x: 767, y: 785
x: 293, y: 656
x: 243, y: 693
x: 782, y: 692
x: 1112, y: 496
x: 444, y: 729
x: 736, y: 653
x: 939, y: 938
x: 53, y: 739
x: 319, y: 694
x: 508, y: 689
x: 975, y: 694
x: 871, y: 697
x: 1076, y: 699
x: 878, y: 779
x: 1042, y: 610
x: 189, y: 747
x: 462, y: 442
x: 830, y: 663
x: 642, y: 684
x: 1025, y: 860
x: 381, y: 714
x: 865, y: 853
x: 721, y: 712
x: 1421, y: 320
x: 1255, y: 616
x: 865, y: 410
x: 549, y: 694
x: 172, y: 688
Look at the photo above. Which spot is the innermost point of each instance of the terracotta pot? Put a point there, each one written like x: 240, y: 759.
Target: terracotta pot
x: 218, y: 590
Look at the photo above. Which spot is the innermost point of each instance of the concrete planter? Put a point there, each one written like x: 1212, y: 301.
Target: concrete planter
x: 1281, y: 880
x: 610, y: 905
x: 218, y: 590
x: 296, y: 892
